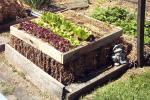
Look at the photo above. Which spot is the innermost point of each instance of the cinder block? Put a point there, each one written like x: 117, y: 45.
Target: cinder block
x: 2, y: 46
x: 3, y: 41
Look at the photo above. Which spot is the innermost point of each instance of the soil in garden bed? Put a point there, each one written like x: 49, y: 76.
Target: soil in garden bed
x: 147, y: 55
x: 73, y: 71
x: 98, y: 28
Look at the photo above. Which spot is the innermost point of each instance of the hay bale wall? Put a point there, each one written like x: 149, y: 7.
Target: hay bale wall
x: 10, y: 10
x: 72, y: 71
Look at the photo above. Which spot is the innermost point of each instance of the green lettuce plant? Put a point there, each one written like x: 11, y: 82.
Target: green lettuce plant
x: 65, y: 28
x: 123, y: 18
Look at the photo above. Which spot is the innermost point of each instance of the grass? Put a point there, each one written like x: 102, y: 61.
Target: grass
x: 136, y: 87
x: 121, y: 17
x: 7, y: 89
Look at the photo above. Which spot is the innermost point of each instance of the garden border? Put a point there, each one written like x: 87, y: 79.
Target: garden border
x: 37, y: 76
x: 67, y: 56
x: 47, y: 83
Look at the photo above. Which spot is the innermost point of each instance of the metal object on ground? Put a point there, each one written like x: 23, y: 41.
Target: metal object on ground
x: 119, y: 56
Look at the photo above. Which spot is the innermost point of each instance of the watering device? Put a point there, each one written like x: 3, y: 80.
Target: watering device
x: 119, y: 56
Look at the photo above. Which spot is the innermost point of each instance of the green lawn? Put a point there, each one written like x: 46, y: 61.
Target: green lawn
x: 135, y: 87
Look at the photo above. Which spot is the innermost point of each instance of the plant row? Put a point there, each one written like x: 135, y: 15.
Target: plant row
x: 55, y: 40
x: 64, y: 28
x: 59, y: 32
x: 123, y: 18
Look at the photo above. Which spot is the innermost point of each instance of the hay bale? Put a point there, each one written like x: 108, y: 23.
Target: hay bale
x: 67, y: 73
x: 10, y: 9
x: 77, y: 69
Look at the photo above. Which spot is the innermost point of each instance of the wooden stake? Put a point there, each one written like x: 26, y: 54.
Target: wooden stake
x: 140, y: 28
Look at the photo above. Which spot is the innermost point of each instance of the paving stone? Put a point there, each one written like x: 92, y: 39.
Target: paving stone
x: 12, y: 97
x: 2, y: 97
x: 76, y: 4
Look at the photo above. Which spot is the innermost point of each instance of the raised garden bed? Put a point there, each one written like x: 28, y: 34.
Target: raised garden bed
x: 99, y: 28
x: 57, y: 90
x: 63, y: 66
x: 66, y: 67
x: 103, y: 36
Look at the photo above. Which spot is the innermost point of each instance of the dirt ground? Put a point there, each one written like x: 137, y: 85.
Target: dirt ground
x: 131, y: 73
x: 132, y: 7
x: 14, y: 85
